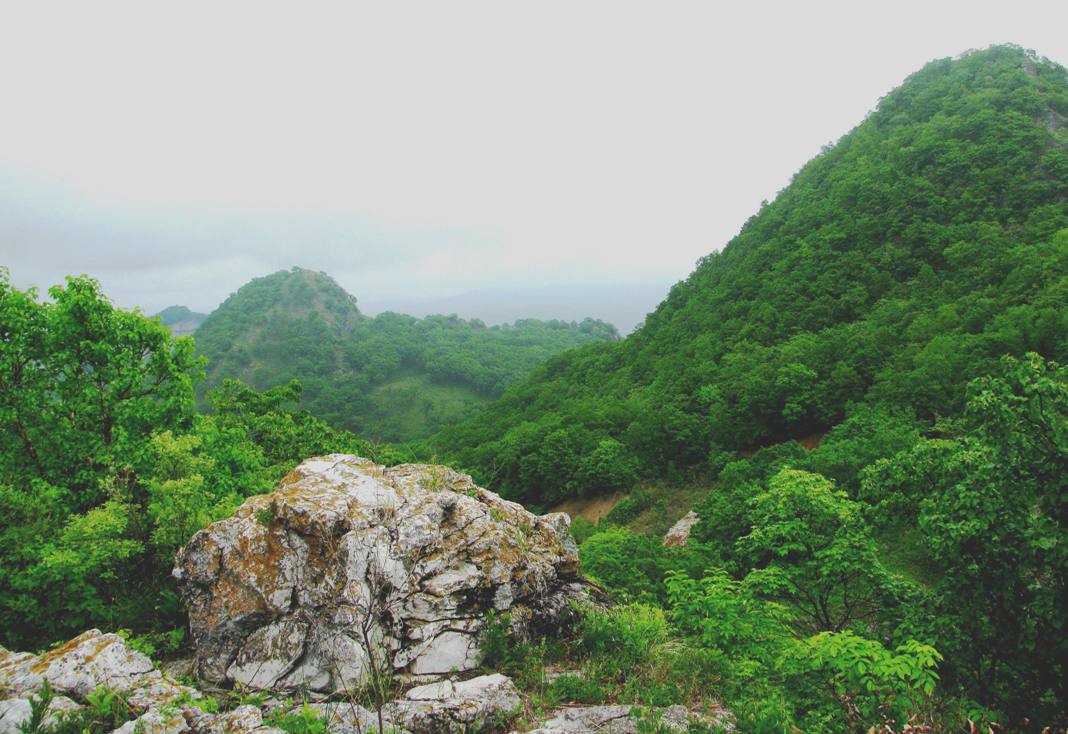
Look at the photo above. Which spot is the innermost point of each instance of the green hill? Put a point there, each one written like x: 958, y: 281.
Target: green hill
x: 897, y: 265
x: 392, y: 377
x: 862, y: 385
x: 180, y: 320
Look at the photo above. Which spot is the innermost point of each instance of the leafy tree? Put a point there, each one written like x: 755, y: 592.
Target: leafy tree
x: 811, y: 550
x: 82, y: 387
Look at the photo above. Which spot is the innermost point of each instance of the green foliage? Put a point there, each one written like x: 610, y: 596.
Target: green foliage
x: 392, y: 377
x: 161, y: 644
x: 576, y: 689
x: 104, y: 711
x: 991, y: 510
x: 625, y: 635
x: 304, y: 720
x: 495, y: 644
x: 872, y: 684
x: 810, y: 549
x: 82, y: 387
x: 632, y: 567
x: 899, y: 264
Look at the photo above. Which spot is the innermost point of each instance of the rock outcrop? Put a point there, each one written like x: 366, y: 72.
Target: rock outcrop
x: 617, y: 719
x: 446, y: 706
x: 89, y: 661
x: 159, y: 705
x: 74, y: 670
x: 679, y: 534
x: 349, y: 566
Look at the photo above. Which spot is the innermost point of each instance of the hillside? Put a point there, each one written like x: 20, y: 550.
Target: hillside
x: 180, y: 320
x: 897, y: 265
x: 391, y: 377
x: 864, y: 381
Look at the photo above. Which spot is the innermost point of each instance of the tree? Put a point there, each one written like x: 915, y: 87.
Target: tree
x: 811, y: 550
x: 83, y: 385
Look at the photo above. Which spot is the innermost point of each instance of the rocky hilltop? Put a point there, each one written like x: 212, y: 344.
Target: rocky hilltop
x: 347, y: 574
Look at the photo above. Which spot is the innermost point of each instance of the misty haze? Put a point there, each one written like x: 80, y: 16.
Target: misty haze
x: 529, y: 368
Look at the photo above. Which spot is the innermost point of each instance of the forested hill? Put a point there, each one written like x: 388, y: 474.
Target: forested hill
x: 180, y: 320
x: 391, y: 377
x: 897, y: 265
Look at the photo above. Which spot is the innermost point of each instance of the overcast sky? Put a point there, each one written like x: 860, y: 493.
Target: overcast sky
x: 418, y: 151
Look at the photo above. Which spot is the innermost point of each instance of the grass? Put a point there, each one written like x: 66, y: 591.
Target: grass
x: 668, y: 505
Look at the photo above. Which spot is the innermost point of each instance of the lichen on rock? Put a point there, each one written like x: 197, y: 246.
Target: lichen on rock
x: 349, y: 565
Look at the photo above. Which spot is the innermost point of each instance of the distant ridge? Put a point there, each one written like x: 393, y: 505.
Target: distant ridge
x: 180, y: 320
x: 392, y: 377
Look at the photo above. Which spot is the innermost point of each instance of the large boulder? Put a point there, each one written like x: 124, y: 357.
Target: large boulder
x: 350, y: 567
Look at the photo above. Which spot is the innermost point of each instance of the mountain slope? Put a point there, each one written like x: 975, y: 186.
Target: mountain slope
x: 392, y: 377
x: 897, y: 264
x: 180, y: 320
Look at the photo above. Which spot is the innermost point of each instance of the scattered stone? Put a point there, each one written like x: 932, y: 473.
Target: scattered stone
x: 179, y: 667
x: 679, y: 534
x: 617, y: 719
x: 349, y: 565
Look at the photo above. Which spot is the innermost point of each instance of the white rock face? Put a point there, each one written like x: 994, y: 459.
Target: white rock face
x: 679, y: 534
x: 349, y: 564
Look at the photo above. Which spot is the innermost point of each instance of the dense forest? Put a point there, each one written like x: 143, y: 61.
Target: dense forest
x: 392, y: 377
x: 904, y: 300
x: 862, y: 395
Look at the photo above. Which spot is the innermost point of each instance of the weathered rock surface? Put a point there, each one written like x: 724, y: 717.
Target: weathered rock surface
x: 446, y: 706
x: 347, y: 559
x: 462, y: 706
x: 162, y: 706
x: 679, y: 534
x: 74, y: 670
x: 15, y: 711
x: 624, y: 720
x: 90, y: 660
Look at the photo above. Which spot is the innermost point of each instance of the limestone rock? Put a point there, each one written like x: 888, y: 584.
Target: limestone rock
x: 242, y: 720
x: 619, y: 719
x: 15, y: 711
x: 345, y: 717
x: 444, y: 706
x: 348, y: 564
x: 679, y: 534
x: 90, y: 660
x: 450, y: 706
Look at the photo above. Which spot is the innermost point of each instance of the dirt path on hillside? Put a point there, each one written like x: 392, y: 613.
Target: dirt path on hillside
x: 590, y: 508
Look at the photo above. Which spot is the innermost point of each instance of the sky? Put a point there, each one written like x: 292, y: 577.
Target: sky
x: 420, y: 151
